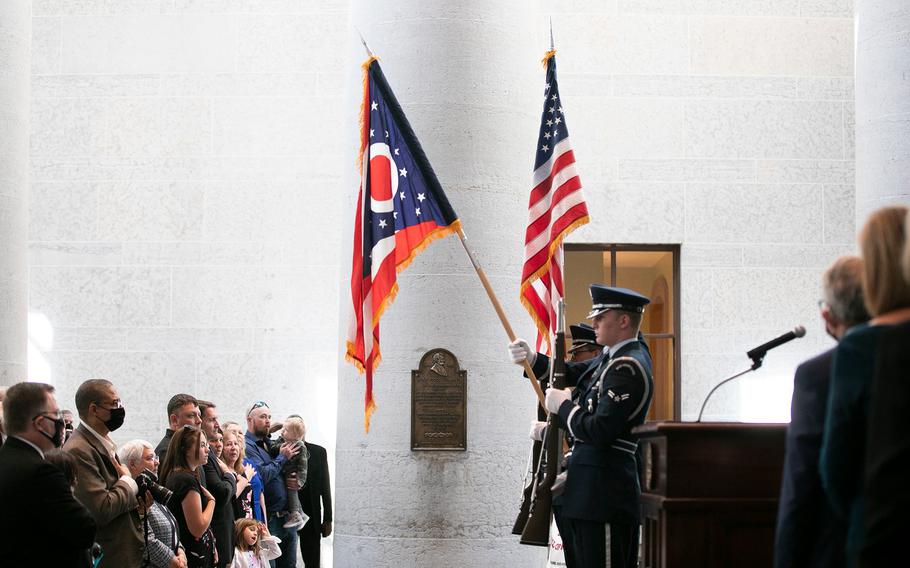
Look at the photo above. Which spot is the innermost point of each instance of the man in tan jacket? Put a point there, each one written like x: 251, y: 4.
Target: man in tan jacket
x: 105, y: 486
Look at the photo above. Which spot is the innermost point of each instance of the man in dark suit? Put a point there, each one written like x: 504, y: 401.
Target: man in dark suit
x: 105, y: 485
x: 808, y: 532
x: 222, y: 484
x: 316, y: 502
x: 614, y: 393
x: 42, y: 522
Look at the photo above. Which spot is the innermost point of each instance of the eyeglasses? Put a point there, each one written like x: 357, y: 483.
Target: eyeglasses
x: 257, y: 404
x: 114, y: 404
x: 50, y: 415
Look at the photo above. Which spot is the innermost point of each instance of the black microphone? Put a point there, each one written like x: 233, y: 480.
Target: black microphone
x: 759, y: 352
x: 757, y: 355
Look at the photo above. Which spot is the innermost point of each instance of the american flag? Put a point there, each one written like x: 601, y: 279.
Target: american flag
x: 556, y: 208
x: 401, y: 209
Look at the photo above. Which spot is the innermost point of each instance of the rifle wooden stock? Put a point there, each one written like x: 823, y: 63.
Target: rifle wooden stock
x: 537, y: 528
x: 528, y: 493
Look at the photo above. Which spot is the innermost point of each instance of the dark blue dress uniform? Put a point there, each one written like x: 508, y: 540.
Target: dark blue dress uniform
x: 612, y: 396
x: 602, y: 483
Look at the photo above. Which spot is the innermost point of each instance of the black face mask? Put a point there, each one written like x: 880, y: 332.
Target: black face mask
x: 59, y: 427
x: 118, y: 415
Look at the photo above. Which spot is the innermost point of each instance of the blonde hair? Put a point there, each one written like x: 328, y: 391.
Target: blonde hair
x: 294, y: 427
x: 905, y: 257
x: 237, y: 466
x: 882, y: 241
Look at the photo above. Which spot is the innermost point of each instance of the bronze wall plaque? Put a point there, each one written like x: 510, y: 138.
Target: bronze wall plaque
x: 439, y: 403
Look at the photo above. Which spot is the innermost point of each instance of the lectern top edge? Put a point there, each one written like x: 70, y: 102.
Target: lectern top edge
x: 672, y: 426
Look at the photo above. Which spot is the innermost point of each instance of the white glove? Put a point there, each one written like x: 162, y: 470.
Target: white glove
x: 537, y: 429
x: 520, y: 352
x: 555, y: 398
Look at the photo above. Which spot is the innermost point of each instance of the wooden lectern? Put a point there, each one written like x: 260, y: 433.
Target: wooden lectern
x: 709, y: 493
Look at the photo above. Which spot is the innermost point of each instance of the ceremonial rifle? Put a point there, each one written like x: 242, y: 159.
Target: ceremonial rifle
x: 537, y: 528
x: 528, y: 493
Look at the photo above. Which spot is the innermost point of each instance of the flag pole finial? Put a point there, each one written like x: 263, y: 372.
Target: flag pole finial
x: 552, y: 48
x: 549, y: 55
x: 366, y: 47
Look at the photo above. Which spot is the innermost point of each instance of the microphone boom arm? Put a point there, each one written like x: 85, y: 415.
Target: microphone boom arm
x: 756, y: 365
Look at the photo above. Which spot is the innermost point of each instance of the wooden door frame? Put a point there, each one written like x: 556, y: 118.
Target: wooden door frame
x: 675, y: 250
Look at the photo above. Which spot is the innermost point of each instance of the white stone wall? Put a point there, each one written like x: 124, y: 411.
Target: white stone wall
x: 186, y: 194
x: 193, y: 183
x: 727, y: 127
x: 882, y: 105
x: 15, y: 57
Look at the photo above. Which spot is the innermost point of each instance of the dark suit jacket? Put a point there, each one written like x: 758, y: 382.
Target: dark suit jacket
x: 843, y: 450
x: 222, y: 486
x: 316, y: 496
x: 888, y: 452
x: 161, y: 448
x: 110, y: 500
x: 808, y: 532
x: 42, y: 524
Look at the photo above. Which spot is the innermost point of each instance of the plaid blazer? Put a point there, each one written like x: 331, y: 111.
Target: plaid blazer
x: 161, y: 532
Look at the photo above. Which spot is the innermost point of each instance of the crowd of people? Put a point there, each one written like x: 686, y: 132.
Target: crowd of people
x: 208, y: 495
x: 844, y: 496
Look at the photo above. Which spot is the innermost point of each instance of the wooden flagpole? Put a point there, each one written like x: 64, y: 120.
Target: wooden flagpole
x: 499, y: 311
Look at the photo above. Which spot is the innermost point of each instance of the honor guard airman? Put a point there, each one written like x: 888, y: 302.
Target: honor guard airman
x: 584, y: 343
x: 612, y: 397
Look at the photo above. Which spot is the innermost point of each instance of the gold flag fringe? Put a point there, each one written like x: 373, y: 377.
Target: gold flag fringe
x: 557, y: 242
x: 547, y: 57
x: 364, y: 113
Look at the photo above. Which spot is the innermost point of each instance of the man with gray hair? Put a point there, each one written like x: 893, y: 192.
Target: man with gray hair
x: 808, y: 531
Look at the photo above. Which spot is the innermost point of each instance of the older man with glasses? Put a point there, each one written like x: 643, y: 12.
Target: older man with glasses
x: 268, y: 460
x: 809, y: 533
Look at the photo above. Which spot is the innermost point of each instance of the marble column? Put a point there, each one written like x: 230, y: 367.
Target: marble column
x: 882, y: 104
x: 15, y: 77
x: 468, y: 76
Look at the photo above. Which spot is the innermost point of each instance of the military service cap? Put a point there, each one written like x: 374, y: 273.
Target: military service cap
x: 582, y: 337
x: 604, y: 298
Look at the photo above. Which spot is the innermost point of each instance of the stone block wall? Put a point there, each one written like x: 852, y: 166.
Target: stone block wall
x: 726, y: 127
x: 192, y: 189
x: 186, y: 195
